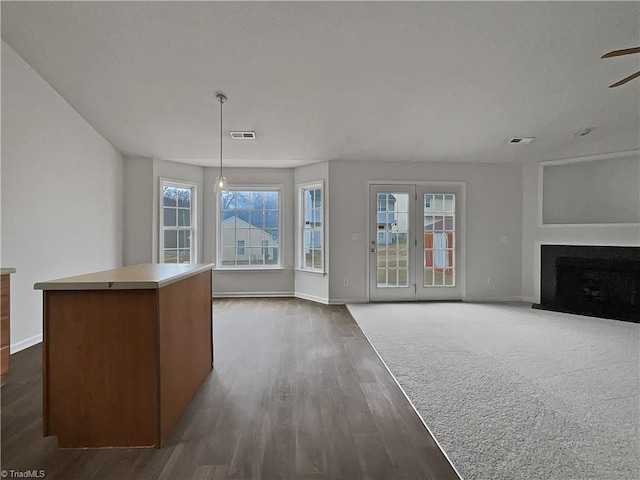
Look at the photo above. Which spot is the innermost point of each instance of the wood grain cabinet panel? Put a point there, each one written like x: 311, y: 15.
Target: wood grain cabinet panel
x: 5, y: 316
x: 121, y: 366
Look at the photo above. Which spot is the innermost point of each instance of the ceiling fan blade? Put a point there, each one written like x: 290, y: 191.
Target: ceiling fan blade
x: 624, y: 51
x: 625, y: 80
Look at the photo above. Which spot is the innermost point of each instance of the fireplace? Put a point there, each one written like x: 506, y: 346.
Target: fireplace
x: 599, y: 281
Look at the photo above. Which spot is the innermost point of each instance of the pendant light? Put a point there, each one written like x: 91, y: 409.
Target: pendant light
x: 221, y: 181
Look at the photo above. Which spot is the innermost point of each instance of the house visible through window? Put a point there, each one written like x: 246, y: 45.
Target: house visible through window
x: 312, y: 236
x: 249, y: 229
x: 177, y: 238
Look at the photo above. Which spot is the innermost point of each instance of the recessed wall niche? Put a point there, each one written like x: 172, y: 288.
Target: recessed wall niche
x: 598, y: 190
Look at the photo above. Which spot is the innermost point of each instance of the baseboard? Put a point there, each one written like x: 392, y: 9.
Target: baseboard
x: 344, y: 301
x: 493, y: 299
x: 251, y: 294
x: 529, y: 299
x: 313, y: 298
x: 29, y: 342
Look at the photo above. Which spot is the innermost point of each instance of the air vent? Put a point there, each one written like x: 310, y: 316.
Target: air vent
x: 521, y: 140
x: 243, y: 135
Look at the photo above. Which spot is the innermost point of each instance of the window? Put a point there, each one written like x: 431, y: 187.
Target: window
x: 249, y: 228
x: 177, y: 222
x: 312, y: 233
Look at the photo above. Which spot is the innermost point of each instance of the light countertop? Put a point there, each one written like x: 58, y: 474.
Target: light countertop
x: 134, y: 277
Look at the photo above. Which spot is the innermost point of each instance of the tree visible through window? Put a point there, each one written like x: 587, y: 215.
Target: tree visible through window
x: 178, y: 223
x: 249, y: 226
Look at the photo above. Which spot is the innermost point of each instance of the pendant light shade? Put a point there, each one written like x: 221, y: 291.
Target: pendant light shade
x: 221, y: 183
x: 221, y: 180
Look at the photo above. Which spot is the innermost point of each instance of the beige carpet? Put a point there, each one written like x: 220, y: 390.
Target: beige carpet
x: 516, y: 393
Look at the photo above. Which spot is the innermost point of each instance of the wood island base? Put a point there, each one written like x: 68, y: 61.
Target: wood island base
x: 120, y: 366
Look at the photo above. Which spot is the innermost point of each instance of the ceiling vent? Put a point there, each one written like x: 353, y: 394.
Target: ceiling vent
x: 521, y: 140
x: 243, y: 135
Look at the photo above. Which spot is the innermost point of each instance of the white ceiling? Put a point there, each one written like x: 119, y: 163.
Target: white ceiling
x: 437, y: 81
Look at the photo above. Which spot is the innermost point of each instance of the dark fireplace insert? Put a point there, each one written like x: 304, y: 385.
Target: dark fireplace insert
x: 599, y: 281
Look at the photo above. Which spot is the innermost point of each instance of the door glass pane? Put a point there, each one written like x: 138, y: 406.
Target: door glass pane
x: 428, y: 277
x: 450, y: 279
x: 438, y: 243
x: 392, y: 239
x: 449, y: 202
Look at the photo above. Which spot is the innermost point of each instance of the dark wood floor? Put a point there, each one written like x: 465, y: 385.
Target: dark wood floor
x: 297, y: 392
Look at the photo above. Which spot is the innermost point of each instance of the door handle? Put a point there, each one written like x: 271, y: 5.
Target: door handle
x: 373, y: 250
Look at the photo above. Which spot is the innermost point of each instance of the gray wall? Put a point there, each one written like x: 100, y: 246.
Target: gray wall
x: 590, y: 192
x: 138, y: 211
x: 61, y: 194
x: 255, y: 282
x: 493, y: 210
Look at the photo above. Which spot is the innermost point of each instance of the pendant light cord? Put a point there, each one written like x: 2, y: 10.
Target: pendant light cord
x: 221, y: 101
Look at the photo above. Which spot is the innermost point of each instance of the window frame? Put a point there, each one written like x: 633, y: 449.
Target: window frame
x: 218, y: 228
x: 315, y: 185
x: 172, y: 183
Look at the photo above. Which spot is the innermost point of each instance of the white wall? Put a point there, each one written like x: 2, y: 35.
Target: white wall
x: 493, y: 210
x: 533, y: 234
x: 255, y: 282
x: 311, y: 285
x: 61, y: 194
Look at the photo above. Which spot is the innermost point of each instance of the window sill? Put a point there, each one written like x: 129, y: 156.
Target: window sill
x: 315, y: 273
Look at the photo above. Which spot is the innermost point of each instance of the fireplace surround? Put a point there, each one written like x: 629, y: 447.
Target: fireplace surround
x: 594, y: 280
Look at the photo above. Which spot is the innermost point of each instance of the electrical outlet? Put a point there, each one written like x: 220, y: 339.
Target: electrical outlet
x: 346, y: 282
x: 356, y: 236
x: 489, y: 280
x: 504, y: 239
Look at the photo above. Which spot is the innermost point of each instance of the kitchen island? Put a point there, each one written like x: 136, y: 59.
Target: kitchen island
x: 124, y: 352
x: 5, y: 319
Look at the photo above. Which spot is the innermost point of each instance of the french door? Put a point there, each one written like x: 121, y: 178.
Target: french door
x: 415, y: 242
